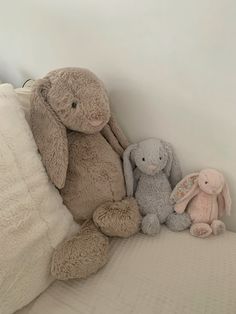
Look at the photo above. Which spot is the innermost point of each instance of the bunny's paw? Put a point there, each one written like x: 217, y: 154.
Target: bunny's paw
x: 200, y: 230
x: 118, y: 219
x: 151, y: 224
x: 81, y: 255
x: 218, y: 227
x: 178, y: 222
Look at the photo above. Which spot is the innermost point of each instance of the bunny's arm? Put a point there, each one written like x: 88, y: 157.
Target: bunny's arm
x: 118, y: 132
x: 115, y: 136
x: 112, y: 140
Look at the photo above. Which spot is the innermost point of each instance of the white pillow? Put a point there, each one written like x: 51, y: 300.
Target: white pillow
x: 23, y: 95
x: 33, y: 220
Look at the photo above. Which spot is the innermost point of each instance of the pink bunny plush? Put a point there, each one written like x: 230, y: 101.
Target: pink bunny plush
x: 205, y: 196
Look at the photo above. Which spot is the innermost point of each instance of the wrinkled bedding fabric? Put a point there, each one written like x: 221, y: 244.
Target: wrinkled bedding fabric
x: 172, y: 273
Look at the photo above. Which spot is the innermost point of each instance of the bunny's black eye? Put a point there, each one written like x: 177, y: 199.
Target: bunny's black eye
x: 206, y: 182
x: 143, y: 159
x: 74, y: 105
x: 160, y: 158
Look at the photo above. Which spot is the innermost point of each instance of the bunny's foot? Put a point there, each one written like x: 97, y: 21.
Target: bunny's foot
x: 200, y: 230
x: 118, y: 219
x: 151, y: 224
x: 178, y: 222
x: 81, y: 255
x: 218, y: 227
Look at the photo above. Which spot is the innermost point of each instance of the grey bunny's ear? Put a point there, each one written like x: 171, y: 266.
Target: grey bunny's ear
x: 49, y: 133
x: 128, y: 169
x: 172, y: 169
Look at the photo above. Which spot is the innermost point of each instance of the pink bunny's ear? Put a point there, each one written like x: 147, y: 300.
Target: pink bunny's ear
x: 184, y: 191
x: 224, y: 201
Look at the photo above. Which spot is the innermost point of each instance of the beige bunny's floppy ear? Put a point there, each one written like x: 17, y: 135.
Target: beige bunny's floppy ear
x: 115, y: 136
x: 49, y: 133
x: 128, y: 170
x: 184, y: 191
x: 224, y: 201
x: 172, y: 168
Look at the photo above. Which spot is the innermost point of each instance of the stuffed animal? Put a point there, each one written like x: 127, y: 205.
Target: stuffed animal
x: 157, y: 171
x: 205, y: 196
x: 81, y: 147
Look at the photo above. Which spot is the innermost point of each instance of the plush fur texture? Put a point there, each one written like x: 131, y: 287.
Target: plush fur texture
x: 156, y: 173
x: 81, y: 147
x: 94, y: 246
x: 206, y: 197
x: 111, y: 217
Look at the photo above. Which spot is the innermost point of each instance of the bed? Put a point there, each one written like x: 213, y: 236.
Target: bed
x: 172, y: 273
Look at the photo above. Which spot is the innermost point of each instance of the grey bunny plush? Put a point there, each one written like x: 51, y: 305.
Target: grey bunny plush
x: 156, y: 173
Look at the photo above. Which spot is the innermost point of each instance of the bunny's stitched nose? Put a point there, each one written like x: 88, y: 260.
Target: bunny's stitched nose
x: 216, y: 190
x: 96, y: 122
x: 152, y: 167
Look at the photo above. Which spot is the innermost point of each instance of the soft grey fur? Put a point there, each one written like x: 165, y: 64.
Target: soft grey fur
x: 156, y: 174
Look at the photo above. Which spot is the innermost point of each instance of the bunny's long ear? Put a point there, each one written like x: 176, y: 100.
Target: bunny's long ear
x: 184, y: 191
x: 224, y: 201
x: 128, y: 170
x: 172, y: 168
x: 49, y: 133
x: 115, y: 136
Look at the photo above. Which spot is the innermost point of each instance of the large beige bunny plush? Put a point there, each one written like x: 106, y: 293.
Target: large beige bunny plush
x: 81, y: 146
x: 206, y: 197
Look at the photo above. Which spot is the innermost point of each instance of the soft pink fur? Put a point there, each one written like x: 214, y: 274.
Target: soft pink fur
x: 205, y: 195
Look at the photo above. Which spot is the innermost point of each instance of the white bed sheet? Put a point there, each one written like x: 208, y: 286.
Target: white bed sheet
x: 173, y: 273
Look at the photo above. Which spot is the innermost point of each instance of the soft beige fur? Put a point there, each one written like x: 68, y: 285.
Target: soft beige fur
x: 81, y: 147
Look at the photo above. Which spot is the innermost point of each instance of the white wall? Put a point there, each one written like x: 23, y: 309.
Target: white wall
x: 170, y: 66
